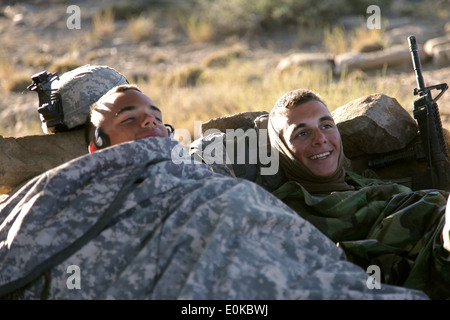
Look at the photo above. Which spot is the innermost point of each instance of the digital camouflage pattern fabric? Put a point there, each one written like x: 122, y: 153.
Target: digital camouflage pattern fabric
x: 142, y: 221
x: 383, y: 224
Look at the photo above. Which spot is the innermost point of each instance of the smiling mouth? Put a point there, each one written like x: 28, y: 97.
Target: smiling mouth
x: 320, y: 156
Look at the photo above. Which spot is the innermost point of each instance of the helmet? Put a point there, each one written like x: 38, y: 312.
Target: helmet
x: 64, y: 102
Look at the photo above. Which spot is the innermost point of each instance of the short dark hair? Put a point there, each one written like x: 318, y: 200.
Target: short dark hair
x: 292, y: 99
x: 90, y: 127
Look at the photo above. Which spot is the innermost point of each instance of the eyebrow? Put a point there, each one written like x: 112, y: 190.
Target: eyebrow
x: 303, y: 125
x: 325, y: 118
x: 131, y: 108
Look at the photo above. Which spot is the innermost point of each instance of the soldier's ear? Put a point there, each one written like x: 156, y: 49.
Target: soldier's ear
x: 92, y: 148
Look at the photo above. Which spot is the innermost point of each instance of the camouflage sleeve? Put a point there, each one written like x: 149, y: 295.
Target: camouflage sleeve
x: 387, y: 225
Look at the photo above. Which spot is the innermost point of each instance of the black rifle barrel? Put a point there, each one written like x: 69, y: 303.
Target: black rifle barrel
x: 416, y: 63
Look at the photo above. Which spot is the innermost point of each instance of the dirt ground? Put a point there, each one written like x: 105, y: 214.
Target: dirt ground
x: 34, y: 34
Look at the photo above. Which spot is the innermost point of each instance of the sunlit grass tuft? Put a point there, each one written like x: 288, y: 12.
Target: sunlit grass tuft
x: 338, y: 40
x: 364, y: 39
x: 103, y: 23
x: 17, y: 82
x: 6, y: 65
x: 223, y: 57
x: 64, y: 65
x: 197, y: 29
x: 335, y: 39
x: 11, y: 79
x: 186, y: 76
x: 141, y: 28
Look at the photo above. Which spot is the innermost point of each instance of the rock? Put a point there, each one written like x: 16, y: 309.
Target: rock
x: 393, y: 56
x: 234, y: 121
x: 25, y: 157
x: 323, y: 61
x: 447, y: 27
x: 441, y: 55
x: 435, y: 42
x: 374, y: 124
x: 439, y: 50
x: 398, y: 34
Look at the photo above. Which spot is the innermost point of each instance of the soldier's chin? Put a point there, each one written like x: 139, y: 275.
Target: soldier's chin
x: 323, y: 173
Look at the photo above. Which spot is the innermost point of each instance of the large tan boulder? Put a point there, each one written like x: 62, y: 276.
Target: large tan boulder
x: 439, y: 50
x: 238, y: 120
x: 25, y: 157
x: 374, y: 124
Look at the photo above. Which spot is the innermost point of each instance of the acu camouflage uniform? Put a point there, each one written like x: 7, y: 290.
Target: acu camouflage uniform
x: 142, y: 221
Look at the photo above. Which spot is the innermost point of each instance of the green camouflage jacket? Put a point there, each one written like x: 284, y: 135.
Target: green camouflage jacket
x: 383, y: 224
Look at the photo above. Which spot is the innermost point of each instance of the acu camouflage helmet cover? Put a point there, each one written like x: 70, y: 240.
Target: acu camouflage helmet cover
x: 64, y: 104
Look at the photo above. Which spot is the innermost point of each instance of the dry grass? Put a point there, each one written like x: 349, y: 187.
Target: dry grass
x: 196, y: 93
x: 186, y: 76
x: 64, y: 65
x: 337, y: 40
x: 242, y: 86
x: 12, y: 80
x: 224, y: 82
x: 103, y: 23
x: 6, y: 65
x: 141, y: 28
x: 365, y: 40
x: 36, y: 60
x: 17, y: 82
x: 223, y: 57
x: 197, y: 29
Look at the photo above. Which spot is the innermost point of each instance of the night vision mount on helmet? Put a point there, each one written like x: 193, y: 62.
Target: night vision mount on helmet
x: 64, y: 101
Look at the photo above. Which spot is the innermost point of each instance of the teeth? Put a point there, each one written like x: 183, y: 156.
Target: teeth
x: 320, y: 156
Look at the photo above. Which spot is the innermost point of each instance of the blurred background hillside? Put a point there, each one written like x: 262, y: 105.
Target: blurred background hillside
x: 201, y: 59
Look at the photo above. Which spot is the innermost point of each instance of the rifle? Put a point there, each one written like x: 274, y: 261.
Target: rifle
x: 431, y: 146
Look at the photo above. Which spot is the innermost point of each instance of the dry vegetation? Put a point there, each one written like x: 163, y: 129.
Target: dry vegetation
x: 197, y: 59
